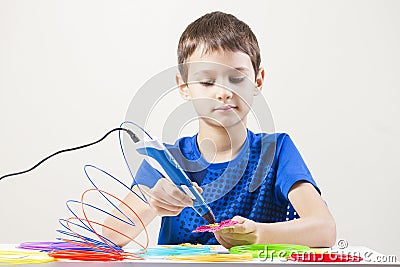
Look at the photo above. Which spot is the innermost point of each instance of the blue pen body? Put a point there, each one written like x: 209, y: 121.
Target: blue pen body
x: 178, y: 177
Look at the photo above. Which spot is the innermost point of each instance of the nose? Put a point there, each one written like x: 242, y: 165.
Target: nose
x: 223, y: 93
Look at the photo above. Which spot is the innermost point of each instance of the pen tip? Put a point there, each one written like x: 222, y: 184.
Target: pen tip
x: 209, y: 217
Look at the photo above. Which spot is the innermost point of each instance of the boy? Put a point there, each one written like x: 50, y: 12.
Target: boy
x: 229, y: 53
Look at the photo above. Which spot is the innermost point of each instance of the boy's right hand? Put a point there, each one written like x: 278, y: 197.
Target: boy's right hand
x: 167, y: 199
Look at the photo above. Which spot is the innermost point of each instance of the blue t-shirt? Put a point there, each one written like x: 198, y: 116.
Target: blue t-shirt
x: 254, y: 185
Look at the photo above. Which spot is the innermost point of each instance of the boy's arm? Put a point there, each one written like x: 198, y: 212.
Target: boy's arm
x: 315, y: 227
x: 142, y: 209
x: 165, y: 199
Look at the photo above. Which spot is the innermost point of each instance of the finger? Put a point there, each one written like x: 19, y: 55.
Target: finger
x: 153, y: 194
x: 166, y: 199
x: 198, y: 188
x: 243, y: 226
x: 228, y: 242
x: 231, y: 237
x: 239, y: 229
x: 161, y: 204
x: 163, y: 192
x: 175, y: 195
x: 166, y: 212
x: 222, y: 241
x: 239, y: 219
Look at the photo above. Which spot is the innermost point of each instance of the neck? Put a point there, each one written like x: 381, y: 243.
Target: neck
x: 220, y: 144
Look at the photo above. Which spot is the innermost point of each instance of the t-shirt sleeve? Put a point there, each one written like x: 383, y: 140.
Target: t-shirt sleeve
x: 291, y: 169
x: 146, y: 175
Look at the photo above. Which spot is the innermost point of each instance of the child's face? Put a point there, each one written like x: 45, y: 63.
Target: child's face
x: 221, y: 86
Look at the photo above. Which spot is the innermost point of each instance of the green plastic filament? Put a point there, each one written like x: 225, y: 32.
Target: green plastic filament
x: 269, y: 250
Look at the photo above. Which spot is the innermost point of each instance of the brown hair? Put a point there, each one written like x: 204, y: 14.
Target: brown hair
x: 214, y: 31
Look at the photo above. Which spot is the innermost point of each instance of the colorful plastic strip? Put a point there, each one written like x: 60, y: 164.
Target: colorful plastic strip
x: 324, y: 257
x: 215, y: 227
x: 264, y: 251
x: 214, y: 258
x: 17, y: 257
x: 175, y: 250
x: 47, y: 246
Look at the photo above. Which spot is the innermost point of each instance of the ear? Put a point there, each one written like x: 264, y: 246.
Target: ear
x: 183, y: 87
x: 259, y: 81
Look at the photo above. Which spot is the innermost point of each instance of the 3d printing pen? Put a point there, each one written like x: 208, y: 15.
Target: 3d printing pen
x: 160, y: 153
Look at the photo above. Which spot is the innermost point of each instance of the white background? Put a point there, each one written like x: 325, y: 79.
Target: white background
x: 69, y: 69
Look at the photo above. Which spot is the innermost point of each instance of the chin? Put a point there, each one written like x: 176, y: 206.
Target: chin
x: 225, y: 123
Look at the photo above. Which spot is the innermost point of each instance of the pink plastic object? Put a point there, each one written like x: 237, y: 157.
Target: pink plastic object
x: 215, y: 226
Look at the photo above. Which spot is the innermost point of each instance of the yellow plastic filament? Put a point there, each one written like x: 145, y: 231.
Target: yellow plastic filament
x: 16, y: 257
x: 214, y: 258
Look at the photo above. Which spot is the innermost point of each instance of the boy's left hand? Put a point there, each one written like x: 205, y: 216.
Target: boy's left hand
x: 243, y: 233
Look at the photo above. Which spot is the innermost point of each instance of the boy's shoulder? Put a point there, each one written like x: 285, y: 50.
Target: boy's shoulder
x: 266, y: 138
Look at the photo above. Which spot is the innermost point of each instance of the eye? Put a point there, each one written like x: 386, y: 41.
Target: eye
x: 207, y: 83
x: 236, y: 79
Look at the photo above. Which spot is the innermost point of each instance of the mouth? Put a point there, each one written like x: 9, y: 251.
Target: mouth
x: 226, y: 108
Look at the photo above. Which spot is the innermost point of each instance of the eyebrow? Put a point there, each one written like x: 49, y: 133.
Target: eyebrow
x: 240, y: 69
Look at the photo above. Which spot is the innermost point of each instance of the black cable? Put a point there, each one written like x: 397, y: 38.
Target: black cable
x: 131, y: 134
